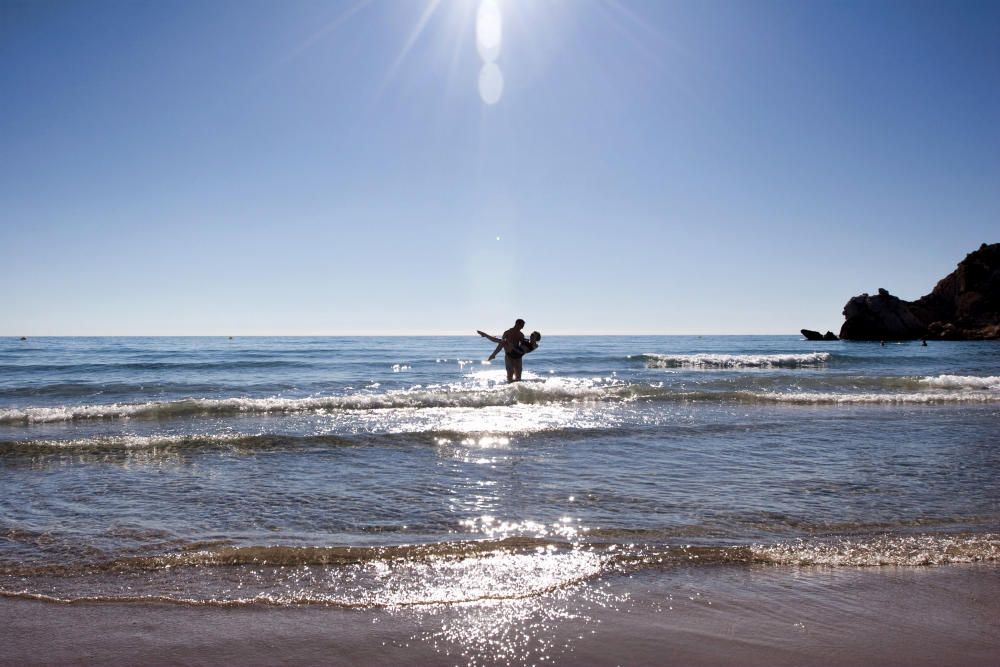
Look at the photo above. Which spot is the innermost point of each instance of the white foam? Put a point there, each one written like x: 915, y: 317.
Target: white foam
x: 886, y: 550
x: 991, y: 382
x: 875, y: 398
x: 489, y: 390
x: 736, y: 360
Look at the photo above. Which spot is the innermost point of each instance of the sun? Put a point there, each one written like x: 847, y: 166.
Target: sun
x: 527, y: 27
x: 489, y: 38
x: 489, y: 30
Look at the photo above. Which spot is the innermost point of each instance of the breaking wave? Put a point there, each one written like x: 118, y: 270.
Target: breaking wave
x: 443, y: 572
x: 360, y: 577
x: 942, y: 389
x: 734, y: 361
x: 991, y: 382
x: 909, y: 550
x: 451, y: 396
x: 884, y: 398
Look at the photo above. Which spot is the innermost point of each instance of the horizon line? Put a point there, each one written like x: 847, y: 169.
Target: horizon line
x: 367, y: 335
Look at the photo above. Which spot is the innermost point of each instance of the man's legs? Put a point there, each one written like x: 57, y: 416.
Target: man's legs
x: 518, y: 367
x: 511, y: 366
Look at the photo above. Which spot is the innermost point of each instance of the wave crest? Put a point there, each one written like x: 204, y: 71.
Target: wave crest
x: 540, y: 392
x: 735, y: 361
x: 909, y: 398
x: 443, y: 572
x: 537, y: 393
x: 991, y: 382
x: 360, y: 577
x: 911, y: 550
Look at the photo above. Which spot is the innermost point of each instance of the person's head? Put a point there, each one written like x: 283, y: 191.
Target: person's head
x: 535, y: 337
x: 519, y: 324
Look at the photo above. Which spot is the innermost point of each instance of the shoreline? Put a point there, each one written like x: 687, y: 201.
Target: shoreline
x: 705, y: 615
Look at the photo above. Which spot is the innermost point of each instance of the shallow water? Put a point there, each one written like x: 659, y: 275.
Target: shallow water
x: 392, y: 472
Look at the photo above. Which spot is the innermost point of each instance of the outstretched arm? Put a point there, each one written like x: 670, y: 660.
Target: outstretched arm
x: 498, y: 341
x: 486, y: 335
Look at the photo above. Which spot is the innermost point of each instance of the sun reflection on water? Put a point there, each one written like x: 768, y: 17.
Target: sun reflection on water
x: 515, y: 632
x: 567, y: 529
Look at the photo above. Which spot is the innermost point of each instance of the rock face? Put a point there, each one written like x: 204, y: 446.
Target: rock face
x: 880, y: 317
x: 965, y: 305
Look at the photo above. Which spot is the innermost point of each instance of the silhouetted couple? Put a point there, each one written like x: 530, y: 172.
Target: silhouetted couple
x: 514, y: 346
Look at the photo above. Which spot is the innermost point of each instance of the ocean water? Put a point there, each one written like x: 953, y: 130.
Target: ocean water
x: 402, y: 472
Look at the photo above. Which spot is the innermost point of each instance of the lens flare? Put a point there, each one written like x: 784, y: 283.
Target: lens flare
x: 490, y: 83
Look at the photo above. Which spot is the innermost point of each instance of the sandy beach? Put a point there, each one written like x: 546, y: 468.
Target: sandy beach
x: 813, y: 616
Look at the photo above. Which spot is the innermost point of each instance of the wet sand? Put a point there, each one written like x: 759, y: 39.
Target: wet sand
x: 707, y: 615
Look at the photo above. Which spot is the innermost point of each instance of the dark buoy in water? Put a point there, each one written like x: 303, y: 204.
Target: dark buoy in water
x: 230, y: 338
x: 24, y: 338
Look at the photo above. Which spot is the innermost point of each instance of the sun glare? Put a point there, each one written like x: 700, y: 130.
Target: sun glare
x: 489, y: 30
x: 452, y: 23
x: 489, y: 37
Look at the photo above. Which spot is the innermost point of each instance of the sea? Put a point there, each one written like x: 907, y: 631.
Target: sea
x: 405, y: 473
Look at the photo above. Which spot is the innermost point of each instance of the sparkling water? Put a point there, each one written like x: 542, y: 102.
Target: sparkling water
x: 405, y: 470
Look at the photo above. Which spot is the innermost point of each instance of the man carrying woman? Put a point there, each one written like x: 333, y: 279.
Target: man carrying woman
x: 514, y: 346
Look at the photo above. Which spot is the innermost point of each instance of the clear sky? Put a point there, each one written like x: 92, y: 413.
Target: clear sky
x: 702, y: 167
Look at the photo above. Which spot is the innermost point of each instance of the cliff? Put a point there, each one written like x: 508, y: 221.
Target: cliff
x: 964, y: 305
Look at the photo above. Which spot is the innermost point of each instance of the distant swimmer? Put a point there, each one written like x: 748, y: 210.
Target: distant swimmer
x: 923, y: 343
x: 515, y: 346
x: 24, y: 338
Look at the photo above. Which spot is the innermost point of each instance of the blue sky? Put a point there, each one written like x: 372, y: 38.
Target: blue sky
x: 330, y: 167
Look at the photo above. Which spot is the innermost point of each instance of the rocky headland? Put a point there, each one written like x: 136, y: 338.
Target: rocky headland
x: 964, y: 305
